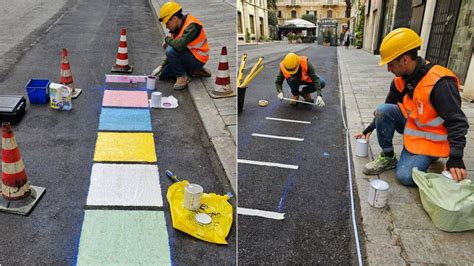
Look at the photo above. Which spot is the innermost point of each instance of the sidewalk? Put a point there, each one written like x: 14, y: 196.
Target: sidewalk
x: 219, y: 116
x: 401, y: 233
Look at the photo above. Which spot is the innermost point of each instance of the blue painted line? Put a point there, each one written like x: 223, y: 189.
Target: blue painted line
x: 125, y: 119
x: 290, y: 177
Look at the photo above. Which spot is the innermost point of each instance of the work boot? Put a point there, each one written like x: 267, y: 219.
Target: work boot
x: 307, y: 98
x: 379, y: 165
x: 181, y: 83
x: 201, y: 73
x: 294, y: 97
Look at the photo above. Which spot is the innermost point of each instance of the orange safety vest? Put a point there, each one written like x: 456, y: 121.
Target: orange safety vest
x: 198, y: 47
x: 304, y: 70
x: 424, y: 132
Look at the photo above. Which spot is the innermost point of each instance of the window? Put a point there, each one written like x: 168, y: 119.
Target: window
x: 279, y: 13
x: 315, y: 13
x: 293, y: 13
x: 262, y: 33
x: 252, y: 24
x: 307, y: 11
x: 239, y: 22
x: 329, y: 14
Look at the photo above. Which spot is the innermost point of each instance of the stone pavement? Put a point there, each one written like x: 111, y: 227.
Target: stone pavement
x: 219, y: 116
x: 401, y: 233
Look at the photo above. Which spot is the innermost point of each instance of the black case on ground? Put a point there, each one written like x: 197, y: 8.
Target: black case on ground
x: 12, y: 108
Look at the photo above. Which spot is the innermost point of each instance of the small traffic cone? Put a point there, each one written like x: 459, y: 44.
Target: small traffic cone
x: 18, y: 196
x: 121, y: 64
x: 222, y: 86
x: 66, y: 75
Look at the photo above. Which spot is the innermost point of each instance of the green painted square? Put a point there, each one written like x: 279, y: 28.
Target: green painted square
x: 118, y: 237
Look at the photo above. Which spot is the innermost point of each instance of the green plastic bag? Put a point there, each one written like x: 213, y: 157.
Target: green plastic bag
x: 450, y: 204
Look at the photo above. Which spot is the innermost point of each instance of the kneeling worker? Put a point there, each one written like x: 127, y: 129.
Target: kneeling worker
x: 187, y: 49
x: 298, y: 71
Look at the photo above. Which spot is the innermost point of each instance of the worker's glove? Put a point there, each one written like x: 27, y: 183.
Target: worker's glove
x: 157, y: 71
x: 280, y: 96
x: 319, y: 101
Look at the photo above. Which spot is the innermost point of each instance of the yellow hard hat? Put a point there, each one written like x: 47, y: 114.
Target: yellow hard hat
x: 396, y: 43
x: 168, y: 10
x: 291, y: 62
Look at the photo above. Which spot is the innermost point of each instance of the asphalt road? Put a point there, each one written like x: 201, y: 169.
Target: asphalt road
x: 58, y: 147
x: 315, y: 197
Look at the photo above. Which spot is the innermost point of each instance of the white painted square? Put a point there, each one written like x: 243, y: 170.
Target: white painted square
x: 125, y: 185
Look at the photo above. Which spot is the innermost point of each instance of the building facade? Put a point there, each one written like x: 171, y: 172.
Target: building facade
x: 446, y: 27
x: 252, y: 20
x: 322, y: 9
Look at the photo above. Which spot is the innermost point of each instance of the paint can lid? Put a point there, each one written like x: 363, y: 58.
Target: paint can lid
x: 379, y: 184
x: 362, y: 140
x: 263, y: 103
x: 194, y: 188
x: 203, y: 218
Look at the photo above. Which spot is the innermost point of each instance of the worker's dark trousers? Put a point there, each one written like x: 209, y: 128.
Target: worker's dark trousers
x: 179, y: 63
x: 295, y: 83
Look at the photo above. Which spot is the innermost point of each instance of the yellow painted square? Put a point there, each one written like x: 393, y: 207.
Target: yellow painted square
x: 125, y: 147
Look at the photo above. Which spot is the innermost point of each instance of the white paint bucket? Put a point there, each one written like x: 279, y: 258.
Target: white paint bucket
x: 150, y: 82
x: 192, y: 196
x: 156, y: 99
x: 362, y: 148
x: 378, y: 193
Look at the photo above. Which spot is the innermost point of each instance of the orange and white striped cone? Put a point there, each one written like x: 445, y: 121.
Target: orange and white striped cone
x: 18, y: 196
x: 66, y: 75
x: 222, y: 86
x: 121, y: 64
x: 15, y: 184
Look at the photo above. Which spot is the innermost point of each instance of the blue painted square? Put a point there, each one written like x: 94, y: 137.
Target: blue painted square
x: 125, y: 119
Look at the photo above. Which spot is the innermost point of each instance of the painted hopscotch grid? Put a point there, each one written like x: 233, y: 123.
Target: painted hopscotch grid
x: 125, y: 185
x: 119, y: 98
x: 121, y: 119
x: 124, y: 236
x: 125, y: 147
x: 117, y: 237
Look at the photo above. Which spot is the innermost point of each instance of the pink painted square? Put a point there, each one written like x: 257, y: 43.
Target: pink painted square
x: 125, y: 98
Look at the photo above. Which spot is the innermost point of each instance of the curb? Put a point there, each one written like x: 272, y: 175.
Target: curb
x: 214, y: 125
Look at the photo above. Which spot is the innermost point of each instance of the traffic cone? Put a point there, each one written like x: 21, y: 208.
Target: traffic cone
x: 18, y: 196
x: 66, y: 75
x: 222, y: 86
x: 121, y: 64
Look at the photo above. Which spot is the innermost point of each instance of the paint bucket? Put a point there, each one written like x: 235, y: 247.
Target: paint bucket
x: 155, y: 99
x: 362, y: 148
x: 150, y: 82
x: 378, y: 193
x: 192, y: 196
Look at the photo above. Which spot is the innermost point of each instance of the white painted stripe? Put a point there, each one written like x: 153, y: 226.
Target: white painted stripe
x: 288, y: 120
x: 122, y: 62
x: 260, y: 213
x: 124, y: 185
x: 281, y: 165
x: 122, y: 50
x: 223, y: 59
x: 276, y: 137
x: 223, y: 73
x: 123, y: 38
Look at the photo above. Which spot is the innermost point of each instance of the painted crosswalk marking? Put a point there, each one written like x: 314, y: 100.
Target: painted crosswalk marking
x: 276, y: 137
x: 280, y: 165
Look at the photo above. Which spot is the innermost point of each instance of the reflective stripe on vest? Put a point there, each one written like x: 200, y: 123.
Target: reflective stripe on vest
x: 304, y: 70
x: 424, y: 132
x: 199, y: 46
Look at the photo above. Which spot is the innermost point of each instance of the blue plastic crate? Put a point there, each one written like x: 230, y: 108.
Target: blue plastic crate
x: 38, y: 91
